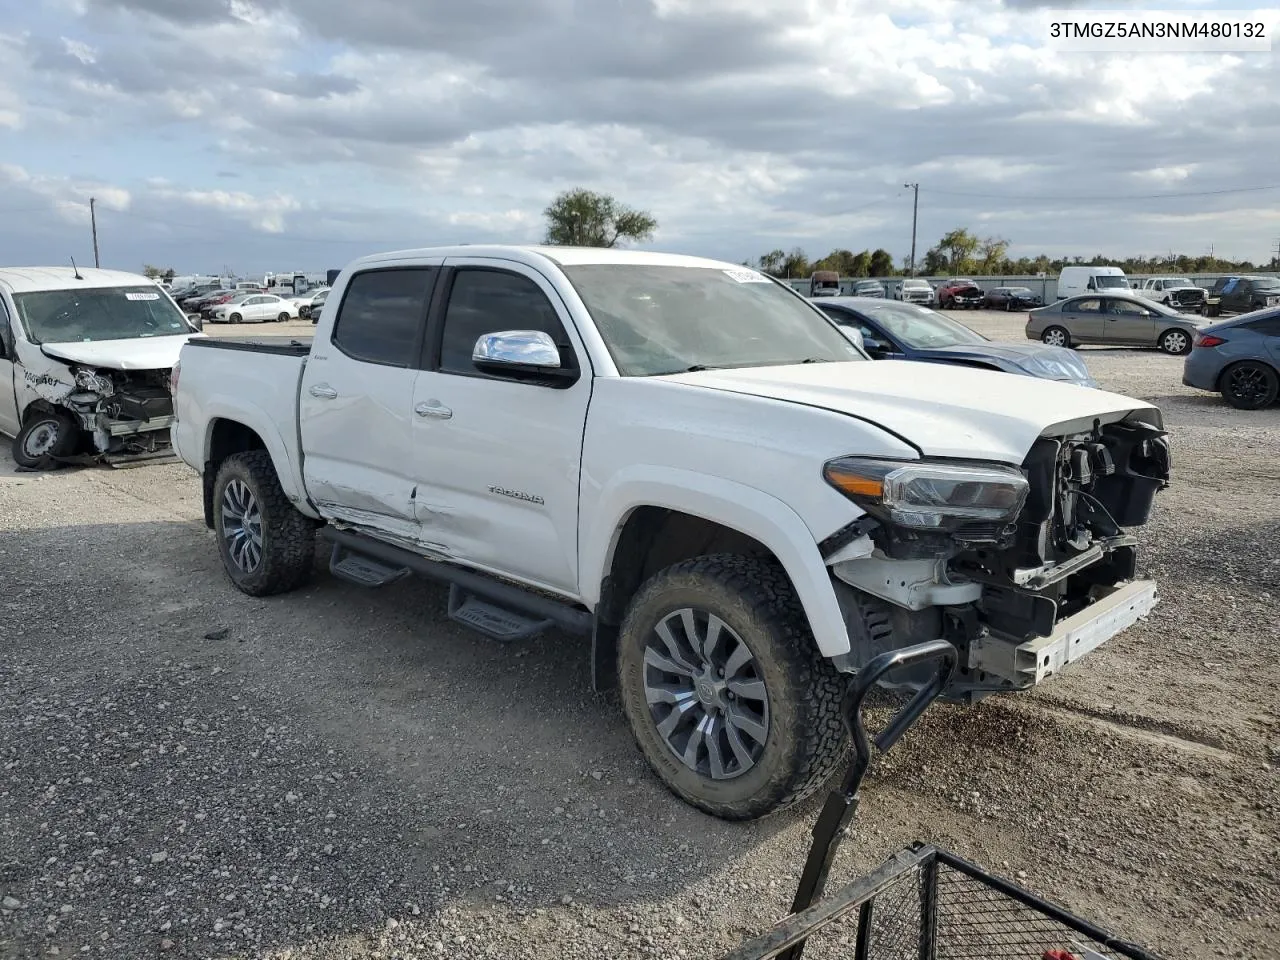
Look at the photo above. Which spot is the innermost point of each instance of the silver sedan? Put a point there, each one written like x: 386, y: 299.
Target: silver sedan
x: 1113, y: 318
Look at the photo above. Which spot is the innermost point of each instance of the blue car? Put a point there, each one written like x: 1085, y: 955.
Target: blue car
x: 892, y: 330
x: 1239, y: 358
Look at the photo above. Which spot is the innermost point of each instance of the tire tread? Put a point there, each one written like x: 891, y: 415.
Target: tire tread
x: 288, y: 555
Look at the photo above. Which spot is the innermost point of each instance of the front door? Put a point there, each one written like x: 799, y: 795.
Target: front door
x: 356, y: 401
x: 496, y: 458
x: 1128, y: 322
x: 9, y: 419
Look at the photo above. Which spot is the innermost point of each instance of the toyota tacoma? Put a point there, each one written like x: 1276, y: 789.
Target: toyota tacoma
x: 691, y: 464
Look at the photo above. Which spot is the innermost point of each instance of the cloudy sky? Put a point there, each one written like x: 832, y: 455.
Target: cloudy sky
x: 298, y: 134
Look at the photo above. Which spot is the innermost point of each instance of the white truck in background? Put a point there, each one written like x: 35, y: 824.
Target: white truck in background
x: 692, y: 464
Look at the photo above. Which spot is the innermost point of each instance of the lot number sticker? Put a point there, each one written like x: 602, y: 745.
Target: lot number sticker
x: 142, y: 296
x: 743, y: 275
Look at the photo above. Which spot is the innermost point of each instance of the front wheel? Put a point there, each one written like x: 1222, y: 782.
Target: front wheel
x: 266, y: 545
x: 1175, y: 342
x: 1250, y: 385
x: 1056, y: 337
x: 729, y: 699
x: 235, y: 318
x: 44, y: 438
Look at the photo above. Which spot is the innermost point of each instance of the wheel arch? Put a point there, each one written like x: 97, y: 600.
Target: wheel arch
x: 657, y: 518
x: 236, y: 430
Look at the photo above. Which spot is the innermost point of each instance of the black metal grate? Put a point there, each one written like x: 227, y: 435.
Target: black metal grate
x: 927, y: 904
x: 976, y: 921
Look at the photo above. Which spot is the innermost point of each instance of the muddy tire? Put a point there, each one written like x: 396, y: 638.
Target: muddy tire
x: 44, y: 438
x: 266, y: 545
x: 747, y: 723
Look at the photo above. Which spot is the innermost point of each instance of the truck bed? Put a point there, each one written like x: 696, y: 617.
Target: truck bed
x: 286, y: 346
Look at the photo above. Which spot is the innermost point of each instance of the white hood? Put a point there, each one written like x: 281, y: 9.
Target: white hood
x: 142, y: 353
x: 944, y: 411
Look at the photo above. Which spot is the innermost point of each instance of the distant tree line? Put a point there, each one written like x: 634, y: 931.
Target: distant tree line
x: 960, y: 252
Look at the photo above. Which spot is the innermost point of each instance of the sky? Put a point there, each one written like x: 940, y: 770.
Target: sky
x: 256, y: 135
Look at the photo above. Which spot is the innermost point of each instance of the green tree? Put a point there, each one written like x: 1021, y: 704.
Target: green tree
x: 796, y: 264
x: 881, y: 264
x: 956, y: 249
x: 991, y: 254
x: 583, y: 218
x: 771, y: 262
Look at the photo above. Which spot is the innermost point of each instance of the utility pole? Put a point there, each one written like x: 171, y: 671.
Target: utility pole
x: 93, y: 219
x: 915, y: 208
x: 1275, y: 259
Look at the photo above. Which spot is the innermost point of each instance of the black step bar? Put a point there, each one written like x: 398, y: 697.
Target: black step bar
x: 567, y: 617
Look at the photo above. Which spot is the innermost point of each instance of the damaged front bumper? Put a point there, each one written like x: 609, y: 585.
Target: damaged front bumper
x: 1033, y: 661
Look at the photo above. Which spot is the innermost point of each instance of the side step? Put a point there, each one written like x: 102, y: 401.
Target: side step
x: 362, y: 570
x: 496, y: 608
x: 495, y: 622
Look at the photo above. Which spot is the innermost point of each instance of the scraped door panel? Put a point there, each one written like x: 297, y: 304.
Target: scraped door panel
x: 357, y: 400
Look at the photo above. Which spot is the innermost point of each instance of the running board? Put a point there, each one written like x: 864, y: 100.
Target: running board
x: 495, y: 608
x: 361, y: 570
x: 495, y: 622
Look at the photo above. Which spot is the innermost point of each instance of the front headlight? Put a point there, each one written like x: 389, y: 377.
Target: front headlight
x: 929, y: 495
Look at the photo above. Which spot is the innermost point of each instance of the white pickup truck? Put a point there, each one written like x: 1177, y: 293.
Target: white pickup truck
x: 689, y: 462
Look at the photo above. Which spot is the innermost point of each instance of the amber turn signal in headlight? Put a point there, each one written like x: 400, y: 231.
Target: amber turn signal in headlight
x: 928, y: 494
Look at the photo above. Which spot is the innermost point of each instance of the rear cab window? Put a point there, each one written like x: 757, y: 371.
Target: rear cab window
x: 382, y: 317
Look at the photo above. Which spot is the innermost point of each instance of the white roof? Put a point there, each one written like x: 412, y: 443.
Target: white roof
x: 564, y: 256
x: 32, y: 279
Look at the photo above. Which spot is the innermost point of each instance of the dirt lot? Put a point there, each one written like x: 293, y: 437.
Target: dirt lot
x: 337, y: 773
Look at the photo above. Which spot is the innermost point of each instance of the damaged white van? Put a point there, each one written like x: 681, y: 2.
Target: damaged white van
x: 85, y: 357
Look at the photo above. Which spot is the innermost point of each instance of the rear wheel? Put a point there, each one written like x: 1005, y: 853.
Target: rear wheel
x: 44, y: 438
x: 727, y: 695
x: 283, y: 318
x: 266, y: 545
x: 1175, y: 342
x: 1250, y: 385
x: 1056, y: 337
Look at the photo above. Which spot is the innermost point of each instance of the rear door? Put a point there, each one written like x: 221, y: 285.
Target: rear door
x: 497, y: 458
x: 1083, y: 319
x: 1127, y: 322
x: 356, y: 400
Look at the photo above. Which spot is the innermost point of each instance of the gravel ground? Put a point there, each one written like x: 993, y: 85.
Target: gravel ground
x: 339, y: 774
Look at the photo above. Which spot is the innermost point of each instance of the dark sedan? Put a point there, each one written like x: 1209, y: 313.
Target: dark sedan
x: 892, y: 330
x: 1239, y: 359
x: 1011, y: 298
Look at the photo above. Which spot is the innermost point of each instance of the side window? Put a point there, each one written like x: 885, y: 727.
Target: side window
x: 491, y: 301
x: 382, y: 314
x: 1125, y: 308
x: 1267, y: 326
x: 1083, y: 306
x: 6, y: 332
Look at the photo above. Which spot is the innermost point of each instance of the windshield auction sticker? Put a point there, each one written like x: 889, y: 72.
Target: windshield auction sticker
x: 744, y: 275
x: 142, y: 296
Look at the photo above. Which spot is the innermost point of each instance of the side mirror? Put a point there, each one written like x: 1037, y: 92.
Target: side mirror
x: 196, y: 321
x: 855, y: 336
x: 524, y: 354
x: 874, y: 346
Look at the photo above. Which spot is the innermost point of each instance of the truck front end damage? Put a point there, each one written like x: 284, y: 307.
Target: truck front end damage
x: 120, y: 414
x: 1024, y: 570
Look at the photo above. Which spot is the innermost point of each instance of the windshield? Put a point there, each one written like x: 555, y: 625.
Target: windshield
x: 1266, y: 283
x: 1110, y: 283
x: 1017, y: 290
x: 659, y: 320
x: 914, y: 284
x: 100, y: 313
x: 920, y: 327
x: 1177, y: 282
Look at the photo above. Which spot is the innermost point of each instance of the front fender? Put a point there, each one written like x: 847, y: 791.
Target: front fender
x: 735, y: 505
x: 288, y: 467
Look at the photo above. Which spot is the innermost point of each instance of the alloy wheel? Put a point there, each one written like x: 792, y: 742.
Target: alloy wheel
x: 1248, y: 384
x: 242, y: 525
x: 706, y: 694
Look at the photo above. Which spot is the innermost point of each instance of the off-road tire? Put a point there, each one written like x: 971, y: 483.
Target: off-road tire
x: 68, y: 434
x: 288, y: 537
x: 806, y: 740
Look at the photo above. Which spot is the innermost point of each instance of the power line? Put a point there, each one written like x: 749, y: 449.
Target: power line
x: 1147, y: 196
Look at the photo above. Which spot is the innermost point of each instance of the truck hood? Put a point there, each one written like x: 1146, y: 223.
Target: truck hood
x: 943, y: 411
x: 142, y: 353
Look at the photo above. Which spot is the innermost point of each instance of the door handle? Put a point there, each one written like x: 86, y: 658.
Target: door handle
x: 323, y: 391
x: 433, y: 408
